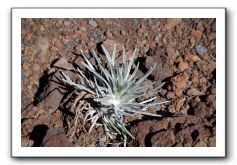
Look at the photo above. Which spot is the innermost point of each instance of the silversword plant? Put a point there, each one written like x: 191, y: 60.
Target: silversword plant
x: 116, y: 90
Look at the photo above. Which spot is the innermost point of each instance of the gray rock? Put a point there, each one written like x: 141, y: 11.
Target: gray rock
x: 70, y: 44
x: 22, y: 75
x: 66, y: 23
x: 213, y: 27
x: 92, y: 60
x: 93, y: 23
x: 201, y: 50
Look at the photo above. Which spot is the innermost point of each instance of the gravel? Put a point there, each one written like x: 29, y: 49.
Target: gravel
x: 166, y: 42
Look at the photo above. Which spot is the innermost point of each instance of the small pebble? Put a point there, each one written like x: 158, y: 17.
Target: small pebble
x: 109, y: 34
x: 82, y: 28
x: 182, y: 66
x: 201, y: 50
x: 70, y: 44
x: 66, y: 23
x: 157, y: 38
x: 213, y: 27
x: 93, y: 23
x: 22, y: 75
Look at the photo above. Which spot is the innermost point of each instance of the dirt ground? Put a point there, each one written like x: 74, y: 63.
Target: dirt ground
x: 185, y: 53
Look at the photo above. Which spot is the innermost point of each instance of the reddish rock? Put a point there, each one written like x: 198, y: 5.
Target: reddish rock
x: 170, y: 95
x: 63, y: 64
x: 195, y: 76
x: 203, y: 79
x: 197, y: 33
x: 178, y: 104
x: 165, y: 65
x: 26, y: 66
x: 109, y: 45
x: 58, y: 45
x: 203, y: 132
x: 184, y: 137
x: 193, y: 92
x: 109, y: 34
x: 200, y: 109
x: 179, y: 83
x: 143, y: 128
x: 54, y: 48
x: 182, y: 66
x: 211, y: 100
x: 53, y: 96
x: 172, y: 22
x: 172, y: 52
x: 163, y: 139
x: 212, y: 142
x: 176, y: 131
x: 55, y: 137
x: 41, y: 45
x: 54, y: 93
x: 192, y: 41
x: 212, y: 90
x: 201, y: 144
x: 123, y: 33
x: 206, y: 66
x: 78, y: 62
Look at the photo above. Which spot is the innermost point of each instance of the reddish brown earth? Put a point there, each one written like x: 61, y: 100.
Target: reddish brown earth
x: 184, y: 49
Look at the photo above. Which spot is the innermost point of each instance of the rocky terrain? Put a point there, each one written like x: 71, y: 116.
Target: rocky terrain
x: 185, y: 53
